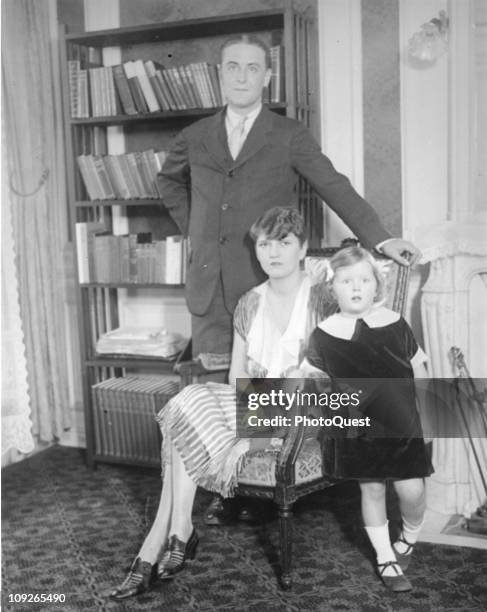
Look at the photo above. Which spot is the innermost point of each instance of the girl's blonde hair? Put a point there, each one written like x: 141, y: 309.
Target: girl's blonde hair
x: 348, y: 257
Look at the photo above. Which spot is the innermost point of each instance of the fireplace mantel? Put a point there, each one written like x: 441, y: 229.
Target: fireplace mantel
x: 451, y: 315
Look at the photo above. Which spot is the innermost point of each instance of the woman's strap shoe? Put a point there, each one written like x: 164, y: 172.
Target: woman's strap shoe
x: 398, y: 583
x: 137, y: 581
x: 218, y: 513
x: 403, y: 558
x: 179, y: 553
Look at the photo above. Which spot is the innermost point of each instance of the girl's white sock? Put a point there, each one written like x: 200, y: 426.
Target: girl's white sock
x: 410, y: 533
x: 379, y: 537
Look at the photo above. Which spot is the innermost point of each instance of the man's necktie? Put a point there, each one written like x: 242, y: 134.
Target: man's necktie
x: 237, y: 138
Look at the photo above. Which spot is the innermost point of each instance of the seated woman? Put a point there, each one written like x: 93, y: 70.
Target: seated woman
x: 272, y: 324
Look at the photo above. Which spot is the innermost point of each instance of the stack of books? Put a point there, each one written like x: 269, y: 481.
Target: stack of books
x: 142, y: 342
x: 137, y: 87
x: 131, y: 258
x: 128, y: 176
x: 124, y: 412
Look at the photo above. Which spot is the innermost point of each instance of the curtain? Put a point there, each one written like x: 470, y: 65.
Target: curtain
x: 36, y: 196
x: 16, y: 423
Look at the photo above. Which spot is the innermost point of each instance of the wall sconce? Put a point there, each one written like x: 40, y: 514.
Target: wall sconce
x: 431, y: 42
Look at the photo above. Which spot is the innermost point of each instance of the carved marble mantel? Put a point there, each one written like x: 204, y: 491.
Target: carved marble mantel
x: 452, y: 316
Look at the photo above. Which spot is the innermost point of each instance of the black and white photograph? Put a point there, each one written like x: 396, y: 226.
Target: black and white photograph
x: 244, y: 305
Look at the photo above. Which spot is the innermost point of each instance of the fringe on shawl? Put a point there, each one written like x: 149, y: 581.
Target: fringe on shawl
x: 219, y: 473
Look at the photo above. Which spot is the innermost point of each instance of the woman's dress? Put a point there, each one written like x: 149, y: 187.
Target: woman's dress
x: 373, y: 355
x: 201, y: 420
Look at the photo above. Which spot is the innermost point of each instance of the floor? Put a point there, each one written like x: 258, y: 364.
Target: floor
x: 450, y: 530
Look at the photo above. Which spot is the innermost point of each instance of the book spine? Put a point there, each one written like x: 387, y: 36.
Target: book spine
x: 206, y: 75
x: 107, y: 187
x: 146, y: 87
x: 134, y: 173
x: 124, y: 259
x: 166, y: 89
x: 188, y: 87
x: 133, y: 271
x: 173, y: 83
x: 160, y: 261
x: 123, y: 164
x: 95, y: 181
x: 173, y: 259
x: 73, y: 69
x: 145, y: 179
x: 123, y: 89
x: 114, y: 179
x: 135, y: 88
x: 81, y: 231
x: 83, y: 111
x: 156, y: 86
x: 215, y: 84
x: 112, y: 98
x: 193, y: 68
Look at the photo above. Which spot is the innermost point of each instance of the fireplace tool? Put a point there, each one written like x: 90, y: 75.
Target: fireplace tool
x: 469, y: 394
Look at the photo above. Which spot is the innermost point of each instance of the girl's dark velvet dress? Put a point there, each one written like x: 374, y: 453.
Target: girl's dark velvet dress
x: 377, y: 361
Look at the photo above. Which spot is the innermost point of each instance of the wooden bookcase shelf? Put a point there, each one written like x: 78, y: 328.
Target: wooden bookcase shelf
x: 221, y: 25
x: 122, y: 285
x: 125, y: 361
x: 166, y: 116
x: 98, y: 302
x: 142, y: 202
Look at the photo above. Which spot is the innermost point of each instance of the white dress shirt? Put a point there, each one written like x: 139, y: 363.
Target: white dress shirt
x: 232, y: 119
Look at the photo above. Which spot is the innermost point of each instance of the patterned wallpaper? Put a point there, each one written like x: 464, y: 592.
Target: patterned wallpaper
x: 381, y: 99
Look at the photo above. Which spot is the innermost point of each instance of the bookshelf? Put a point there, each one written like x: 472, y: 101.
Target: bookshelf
x: 172, y: 47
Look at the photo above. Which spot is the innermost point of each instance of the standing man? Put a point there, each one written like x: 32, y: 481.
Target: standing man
x: 226, y: 170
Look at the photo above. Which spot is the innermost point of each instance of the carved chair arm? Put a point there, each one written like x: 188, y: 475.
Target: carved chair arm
x: 291, y: 446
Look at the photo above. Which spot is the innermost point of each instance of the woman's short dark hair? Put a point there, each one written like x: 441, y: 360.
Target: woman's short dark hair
x: 248, y: 39
x: 348, y: 257
x: 276, y: 223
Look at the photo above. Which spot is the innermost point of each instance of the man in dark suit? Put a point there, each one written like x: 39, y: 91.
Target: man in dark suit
x: 224, y: 171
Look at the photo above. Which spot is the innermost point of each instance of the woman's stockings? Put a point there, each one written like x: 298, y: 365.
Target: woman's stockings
x: 174, y: 512
x: 184, y: 490
x: 156, y: 538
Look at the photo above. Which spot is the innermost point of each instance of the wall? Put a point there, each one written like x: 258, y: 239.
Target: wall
x: 71, y: 14
x: 424, y: 119
x: 381, y: 110
x: 147, y: 11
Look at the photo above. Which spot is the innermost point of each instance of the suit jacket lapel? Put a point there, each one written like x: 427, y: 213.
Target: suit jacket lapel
x: 215, y: 141
x: 257, y: 137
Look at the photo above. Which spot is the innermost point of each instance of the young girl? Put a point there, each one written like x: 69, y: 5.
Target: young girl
x: 365, y: 340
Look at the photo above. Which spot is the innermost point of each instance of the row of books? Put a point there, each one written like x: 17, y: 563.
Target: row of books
x: 138, y: 86
x: 122, y: 177
x: 131, y: 258
x: 124, y: 415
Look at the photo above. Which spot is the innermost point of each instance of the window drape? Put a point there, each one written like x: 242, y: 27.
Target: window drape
x: 35, y: 193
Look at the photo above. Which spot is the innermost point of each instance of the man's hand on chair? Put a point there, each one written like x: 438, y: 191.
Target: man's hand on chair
x: 395, y: 248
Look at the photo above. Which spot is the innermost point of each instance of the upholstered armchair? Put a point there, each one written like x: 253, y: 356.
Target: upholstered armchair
x: 293, y: 470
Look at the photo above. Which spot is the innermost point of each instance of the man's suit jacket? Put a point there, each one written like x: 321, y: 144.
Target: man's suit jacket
x: 215, y: 199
